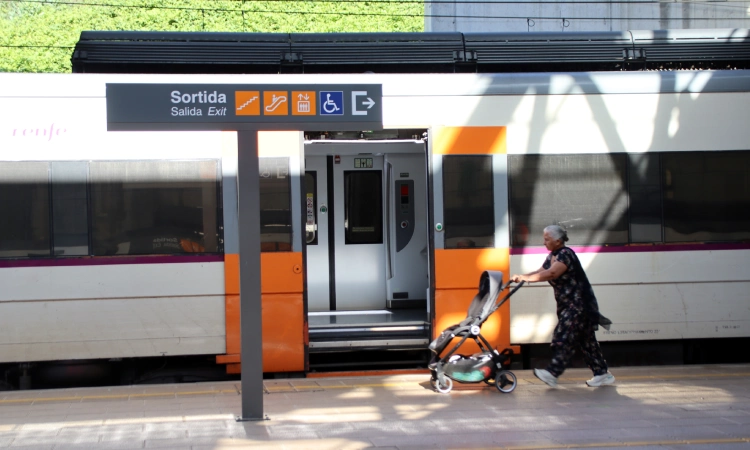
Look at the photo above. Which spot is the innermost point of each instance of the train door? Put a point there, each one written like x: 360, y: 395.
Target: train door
x: 316, y: 233
x: 407, y: 230
x: 366, y: 225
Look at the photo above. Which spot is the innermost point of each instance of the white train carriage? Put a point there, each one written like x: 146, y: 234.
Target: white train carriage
x: 123, y: 244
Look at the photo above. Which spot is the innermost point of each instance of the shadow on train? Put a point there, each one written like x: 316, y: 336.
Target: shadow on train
x: 115, y: 372
x: 192, y: 369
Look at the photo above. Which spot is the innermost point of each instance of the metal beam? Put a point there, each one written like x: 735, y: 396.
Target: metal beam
x: 250, y: 300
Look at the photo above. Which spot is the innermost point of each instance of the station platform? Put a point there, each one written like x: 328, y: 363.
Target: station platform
x: 696, y: 407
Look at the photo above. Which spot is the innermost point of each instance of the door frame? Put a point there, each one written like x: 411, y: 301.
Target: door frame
x: 329, y: 148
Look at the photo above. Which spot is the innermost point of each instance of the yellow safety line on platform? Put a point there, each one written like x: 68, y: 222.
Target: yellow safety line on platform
x: 670, y: 377
x: 632, y: 377
x: 115, y: 396
x: 281, y: 389
x: 626, y: 444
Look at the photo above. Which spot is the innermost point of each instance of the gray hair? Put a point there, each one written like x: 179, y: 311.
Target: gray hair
x: 557, y: 232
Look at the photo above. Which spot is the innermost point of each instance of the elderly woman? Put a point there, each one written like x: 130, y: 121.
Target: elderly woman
x: 577, y: 311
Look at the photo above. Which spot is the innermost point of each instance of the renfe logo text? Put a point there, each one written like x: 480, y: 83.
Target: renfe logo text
x: 46, y: 132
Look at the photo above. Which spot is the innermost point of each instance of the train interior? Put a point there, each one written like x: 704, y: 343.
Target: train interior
x: 367, y: 252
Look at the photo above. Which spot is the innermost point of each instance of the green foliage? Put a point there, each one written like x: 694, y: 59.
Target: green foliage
x: 39, y: 36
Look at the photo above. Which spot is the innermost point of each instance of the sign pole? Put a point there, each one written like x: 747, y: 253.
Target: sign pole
x: 250, y: 300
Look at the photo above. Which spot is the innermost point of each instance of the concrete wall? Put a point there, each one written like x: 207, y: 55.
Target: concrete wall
x: 468, y: 16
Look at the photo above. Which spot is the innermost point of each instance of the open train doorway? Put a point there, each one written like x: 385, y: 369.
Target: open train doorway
x: 367, y: 257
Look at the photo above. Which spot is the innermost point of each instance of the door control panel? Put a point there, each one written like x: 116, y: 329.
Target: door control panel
x: 404, y: 213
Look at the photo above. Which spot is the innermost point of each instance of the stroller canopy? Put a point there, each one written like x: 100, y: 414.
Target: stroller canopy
x: 483, y: 304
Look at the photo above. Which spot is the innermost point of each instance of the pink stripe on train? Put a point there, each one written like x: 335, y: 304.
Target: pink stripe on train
x: 109, y: 260
x: 636, y: 248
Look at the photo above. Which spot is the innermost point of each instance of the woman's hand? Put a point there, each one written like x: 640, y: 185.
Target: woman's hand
x: 517, y: 278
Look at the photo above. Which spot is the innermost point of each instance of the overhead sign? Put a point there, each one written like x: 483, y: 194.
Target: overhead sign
x: 243, y: 107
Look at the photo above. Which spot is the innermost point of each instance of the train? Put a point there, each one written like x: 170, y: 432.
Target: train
x: 124, y: 246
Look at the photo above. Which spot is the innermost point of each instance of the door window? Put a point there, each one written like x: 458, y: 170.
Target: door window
x: 275, y: 205
x: 363, y: 207
x: 469, y: 203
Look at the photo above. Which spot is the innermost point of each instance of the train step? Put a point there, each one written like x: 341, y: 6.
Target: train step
x: 343, y: 331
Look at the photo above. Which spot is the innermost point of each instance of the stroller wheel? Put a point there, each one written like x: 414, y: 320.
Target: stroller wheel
x: 505, y: 381
x: 442, y: 388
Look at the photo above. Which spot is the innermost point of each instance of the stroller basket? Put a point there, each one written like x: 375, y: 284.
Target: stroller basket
x: 485, y: 366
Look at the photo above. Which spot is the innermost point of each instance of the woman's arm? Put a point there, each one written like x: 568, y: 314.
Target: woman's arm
x: 556, y: 269
x: 516, y: 278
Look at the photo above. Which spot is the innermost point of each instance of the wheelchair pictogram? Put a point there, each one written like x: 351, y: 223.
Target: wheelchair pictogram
x: 329, y: 105
x: 332, y: 103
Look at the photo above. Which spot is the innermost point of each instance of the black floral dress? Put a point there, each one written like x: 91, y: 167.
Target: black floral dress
x: 575, y: 328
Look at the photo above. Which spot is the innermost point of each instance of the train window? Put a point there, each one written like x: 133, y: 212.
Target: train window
x: 25, y: 205
x: 70, y: 218
x: 468, y: 200
x: 706, y: 196
x: 363, y: 207
x: 154, y: 207
x: 584, y: 193
x: 275, y: 205
x: 311, y: 208
x: 645, y: 198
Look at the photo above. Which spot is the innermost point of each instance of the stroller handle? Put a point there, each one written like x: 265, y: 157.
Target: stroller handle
x: 507, y: 296
x: 504, y: 287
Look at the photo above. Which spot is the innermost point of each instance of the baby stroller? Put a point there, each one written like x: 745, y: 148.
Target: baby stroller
x: 489, y: 366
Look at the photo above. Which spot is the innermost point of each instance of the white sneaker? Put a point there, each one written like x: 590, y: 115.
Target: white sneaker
x: 600, y: 380
x: 545, y: 376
